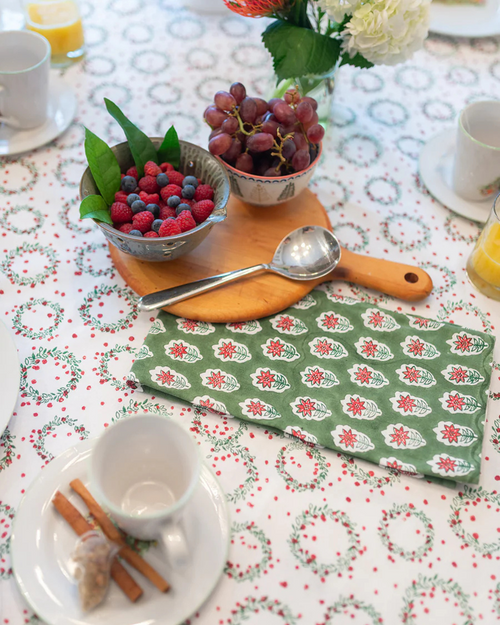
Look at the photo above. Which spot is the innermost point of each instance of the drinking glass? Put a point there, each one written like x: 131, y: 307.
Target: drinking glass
x: 483, y: 265
x: 58, y: 21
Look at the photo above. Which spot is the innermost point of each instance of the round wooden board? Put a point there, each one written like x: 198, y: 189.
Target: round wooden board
x: 248, y: 236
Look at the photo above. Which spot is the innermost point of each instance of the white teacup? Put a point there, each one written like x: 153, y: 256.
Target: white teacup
x: 144, y: 470
x: 24, y: 79
x: 476, y: 174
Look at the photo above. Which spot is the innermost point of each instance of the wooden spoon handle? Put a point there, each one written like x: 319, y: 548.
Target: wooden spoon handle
x: 403, y: 281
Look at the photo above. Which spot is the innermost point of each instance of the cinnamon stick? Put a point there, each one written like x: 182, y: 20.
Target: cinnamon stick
x: 118, y: 572
x: 114, y: 534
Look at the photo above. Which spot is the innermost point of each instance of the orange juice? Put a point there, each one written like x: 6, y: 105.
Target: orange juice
x: 483, y: 266
x: 58, y: 21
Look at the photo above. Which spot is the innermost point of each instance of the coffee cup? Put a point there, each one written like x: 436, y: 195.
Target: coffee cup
x: 476, y: 173
x: 143, y: 471
x: 24, y: 79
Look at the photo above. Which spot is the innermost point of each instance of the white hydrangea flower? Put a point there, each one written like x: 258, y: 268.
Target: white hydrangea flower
x: 338, y: 9
x: 387, y: 32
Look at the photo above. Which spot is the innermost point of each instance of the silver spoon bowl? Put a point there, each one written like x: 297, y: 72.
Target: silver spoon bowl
x: 305, y: 254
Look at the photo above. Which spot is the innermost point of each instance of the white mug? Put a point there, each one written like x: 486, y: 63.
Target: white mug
x: 476, y: 174
x: 144, y: 470
x: 24, y: 79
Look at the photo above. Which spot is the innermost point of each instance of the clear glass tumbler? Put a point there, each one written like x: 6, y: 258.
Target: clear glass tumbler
x: 60, y: 22
x: 483, y: 265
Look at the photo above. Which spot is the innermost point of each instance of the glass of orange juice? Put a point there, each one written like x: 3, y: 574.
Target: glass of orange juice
x: 483, y: 265
x: 60, y: 22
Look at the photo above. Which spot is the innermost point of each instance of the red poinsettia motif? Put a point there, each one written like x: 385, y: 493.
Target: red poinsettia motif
x: 412, y: 374
x: 369, y: 348
x: 406, y: 403
x: 376, y: 319
x: 315, y: 376
x: 463, y: 343
x: 299, y: 434
x: 400, y: 436
x: 323, y: 347
x: 348, y: 438
x: 451, y: 433
x: 285, y: 323
x: 356, y: 406
x: 416, y: 347
x: 447, y: 464
x: 330, y: 321
x: 189, y: 324
x: 255, y: 407
x: 423, y: 323
x: 275, y: 348
x: 394, y: 465
x: 178, y: 350
x: 306, y: 407
x: 206, y: 403
x: 165, y: 377
x: 216, y: 380
x: 266, y: 379
x: 458, y: 374
x: 238, y: 325
x: 455, y: 402
x: 227, y: 350
x: 363, y: 375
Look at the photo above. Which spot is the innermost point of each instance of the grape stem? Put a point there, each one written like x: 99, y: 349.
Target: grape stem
x: 242, y: 126
x: 279, y: 148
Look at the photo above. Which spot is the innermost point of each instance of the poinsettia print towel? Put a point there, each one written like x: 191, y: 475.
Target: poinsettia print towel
x: 405, y: 392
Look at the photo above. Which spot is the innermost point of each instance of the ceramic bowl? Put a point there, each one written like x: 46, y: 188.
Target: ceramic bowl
x: 206, y: 167
x: 262, y: 191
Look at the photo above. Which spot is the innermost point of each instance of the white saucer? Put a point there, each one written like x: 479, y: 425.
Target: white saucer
x: 9, y: 376
x: 466, y: 20
x: 62, y: 109
x: 42, y: 542
x: 436, y: 172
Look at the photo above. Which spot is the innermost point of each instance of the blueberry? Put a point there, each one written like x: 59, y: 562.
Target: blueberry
x: 129, y: 184
x: 188, y: 192
x: 136, y: 233
x: 162, y: 180
x: 138, y: 206
x: 155, y: 209
x: 190, y: 180
x: 156, y: 225
x: 182, y: 207
x: 132, y: 198
x: 174, y: 201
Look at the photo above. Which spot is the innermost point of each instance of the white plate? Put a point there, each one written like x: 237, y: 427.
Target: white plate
x: 466, y: 20
x: 62, y: 109
x: 42, y: 541
x: 436, y: 172
x: 9, y: 376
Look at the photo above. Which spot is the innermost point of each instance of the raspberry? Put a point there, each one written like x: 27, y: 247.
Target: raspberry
x: 201, y: 210
x: 132, y: 171
x: 151, y: 235
x: 203, y: 192
x: 190, y: 203
x: 170, y: 189
x: 175, y: 177
x: 151, y: 169
x: 169, y: 227
x: 149, y: 184
x: 166, y: 212
x: 186, y: 221
x: 149, y: 198
x: 121, y: 196
x: 126, y: 228
x: 166, y: 167
x: 142, y: 221
x: 121, y: 212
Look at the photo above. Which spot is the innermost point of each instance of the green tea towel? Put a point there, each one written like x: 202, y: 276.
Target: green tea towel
x: 402, y: 391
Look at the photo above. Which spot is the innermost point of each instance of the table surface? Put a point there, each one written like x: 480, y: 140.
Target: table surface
x: 399, y: 555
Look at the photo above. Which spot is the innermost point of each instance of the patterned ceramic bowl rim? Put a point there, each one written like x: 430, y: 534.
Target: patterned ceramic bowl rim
x: 263, y: 178
x: 211, y: 219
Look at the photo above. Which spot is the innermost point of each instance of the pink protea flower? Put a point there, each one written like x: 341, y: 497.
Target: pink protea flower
x: 255, y: 8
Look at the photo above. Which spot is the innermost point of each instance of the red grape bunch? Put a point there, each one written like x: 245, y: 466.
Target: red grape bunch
x: 272, y: 139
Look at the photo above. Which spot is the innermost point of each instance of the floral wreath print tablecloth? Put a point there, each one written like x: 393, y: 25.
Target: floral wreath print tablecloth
x: 317, y: 537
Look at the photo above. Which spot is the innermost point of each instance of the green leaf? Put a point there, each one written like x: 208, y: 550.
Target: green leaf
x: 358, y: 60
x: 140, y: 145
x: 299, y: 51
x: 94, y: 207
x: 170, y: 149
x: 103, y: 165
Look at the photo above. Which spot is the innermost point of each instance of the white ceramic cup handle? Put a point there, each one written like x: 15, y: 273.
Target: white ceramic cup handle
x: 174, y: 541
x: 10, y: 121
